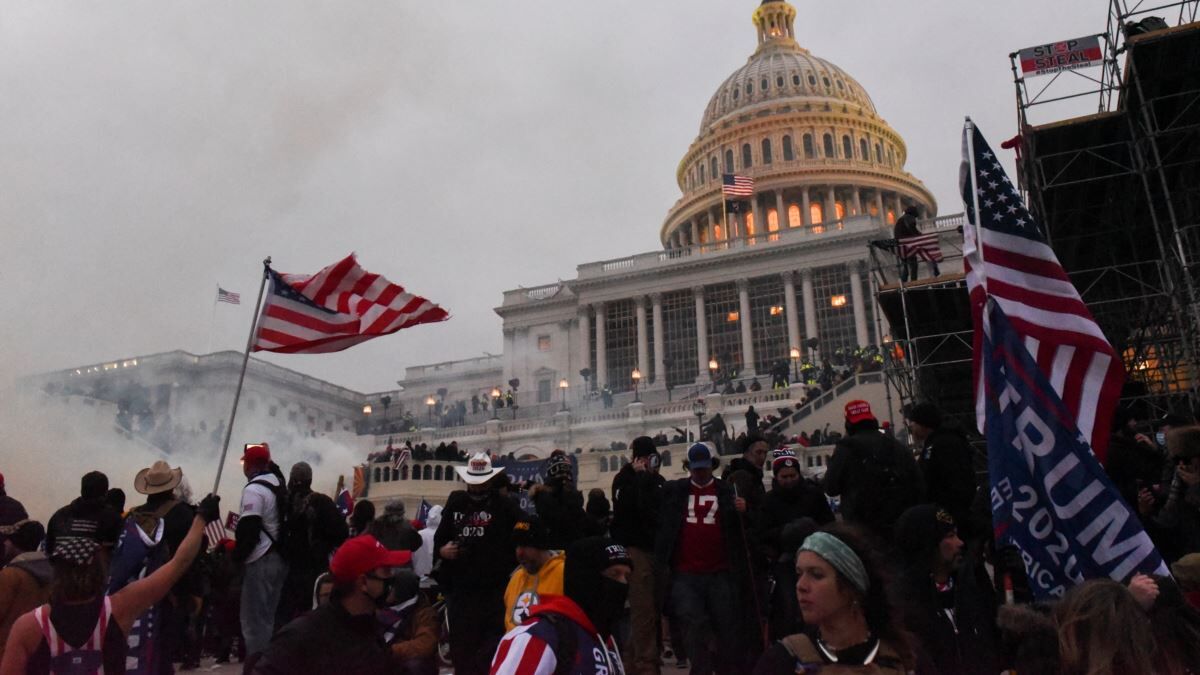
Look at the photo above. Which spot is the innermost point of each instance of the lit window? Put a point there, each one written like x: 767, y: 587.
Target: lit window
x: 749, y: 224
x: 794, y: 216
x: 838, y: 301
x: 772, y: 220
x: 816, y: 214
x: 731, y: 317
x: 891, y: 216
x: 718, y: 231
x: 841, y: 210
x: 776, y: 310
x: 543, y: 343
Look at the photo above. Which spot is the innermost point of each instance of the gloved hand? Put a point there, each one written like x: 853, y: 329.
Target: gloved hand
x: 209, y: 508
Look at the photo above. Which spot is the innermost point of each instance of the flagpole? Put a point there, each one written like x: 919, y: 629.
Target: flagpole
x: 212, y: 324
x: 242, y: 376
x: 975, y: 203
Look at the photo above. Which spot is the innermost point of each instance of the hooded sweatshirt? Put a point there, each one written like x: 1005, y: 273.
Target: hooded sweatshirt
x: 558, y: 628
x: 423, y: 556
x: 24, y: 586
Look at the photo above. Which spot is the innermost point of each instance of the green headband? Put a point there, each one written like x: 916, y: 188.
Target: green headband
x: 843, y: 558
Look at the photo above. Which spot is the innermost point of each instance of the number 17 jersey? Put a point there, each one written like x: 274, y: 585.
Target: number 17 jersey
x: 701, y: 547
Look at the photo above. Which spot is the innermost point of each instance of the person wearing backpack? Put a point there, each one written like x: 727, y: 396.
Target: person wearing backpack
x: 151, y: 535
x: 82, y: 630
x: 876, y: 477
x: 260, y: 546
x: 572, y: 634
x: 87, y: 516
x: 315, y: 528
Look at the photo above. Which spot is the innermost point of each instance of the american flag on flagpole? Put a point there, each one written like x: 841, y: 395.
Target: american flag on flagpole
x: 1006, y: 257
x: 336, y: 308
x: 733, y: 185
x: 921, y: 247
x: 228, y: 296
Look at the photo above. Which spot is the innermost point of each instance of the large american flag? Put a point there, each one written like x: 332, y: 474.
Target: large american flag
x: 1006, y: 257
x: 228, y: 296
x: 922, y: 247
x: 336, y: 308
x: 737, y: 186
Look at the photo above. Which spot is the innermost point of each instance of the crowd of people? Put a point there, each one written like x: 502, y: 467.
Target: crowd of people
x: 888, y: 565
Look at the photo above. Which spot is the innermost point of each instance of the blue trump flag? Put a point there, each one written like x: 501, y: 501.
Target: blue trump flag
x: 1050, y: 497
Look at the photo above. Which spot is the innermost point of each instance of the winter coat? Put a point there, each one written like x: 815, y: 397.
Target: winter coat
x: 749, y: 481
x: 949, y: 473
x: 92, y: 518
x: 968, y: 643
x: 410, y: 629
x: 483, y: 531
x: 781, y: 507
x: 561, y: 511
x: 24, y: 586
x: 637, y: 497
x: 675, y: 496
x: 1132, y: 463
x: 327, y: 640
x: 11, y: 513
x: 860, y: 462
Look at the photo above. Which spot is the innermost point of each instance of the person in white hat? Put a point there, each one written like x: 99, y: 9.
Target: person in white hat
x: 474, y: 546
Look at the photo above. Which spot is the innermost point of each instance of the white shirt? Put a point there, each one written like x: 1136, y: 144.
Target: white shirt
x: 258, y: 500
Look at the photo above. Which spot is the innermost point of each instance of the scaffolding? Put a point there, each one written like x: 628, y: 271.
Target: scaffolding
x: 1119, y: 191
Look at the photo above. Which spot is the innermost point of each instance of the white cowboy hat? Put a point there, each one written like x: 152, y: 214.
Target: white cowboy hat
x: 478, y: 470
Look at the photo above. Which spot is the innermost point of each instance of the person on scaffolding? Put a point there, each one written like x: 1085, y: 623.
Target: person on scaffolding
x: 906, y: 228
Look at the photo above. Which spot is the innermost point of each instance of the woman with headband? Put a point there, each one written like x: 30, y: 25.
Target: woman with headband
x: 851, y: 622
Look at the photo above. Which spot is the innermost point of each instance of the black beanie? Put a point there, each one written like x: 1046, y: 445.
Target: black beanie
x: 93, y: 485
x: 919, y: 531
x: 586, y: 559
x: 643, y: 446
x: 530, y: 533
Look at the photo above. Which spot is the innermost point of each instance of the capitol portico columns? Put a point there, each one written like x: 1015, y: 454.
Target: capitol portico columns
x: 830, y: 213
x: 743, y: 288
x: 810, y: 306
x: 701, y: 333
x: 789, y: 306
x: 601, y: 347
x: 643, y: 346
x: 585, y: 339
x: 660, y: 354
x: 879, y: 206
x: 805, y: 207
x: 856, y: 201
x: 780, y: 212
x: 860, y: 309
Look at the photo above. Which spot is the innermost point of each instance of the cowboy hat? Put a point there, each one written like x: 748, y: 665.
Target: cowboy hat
x: 160, y: 477
x: 478, y: 470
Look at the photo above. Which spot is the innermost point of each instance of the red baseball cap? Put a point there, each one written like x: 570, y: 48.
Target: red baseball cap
x: 256, y: 452
x: 857, y: 411
x: 362, y: 554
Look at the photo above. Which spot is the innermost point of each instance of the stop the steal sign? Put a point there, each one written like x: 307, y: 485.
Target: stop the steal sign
x: 1059, y: 56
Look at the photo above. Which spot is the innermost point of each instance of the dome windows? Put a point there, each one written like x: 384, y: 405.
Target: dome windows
x: 747, y: 159
x: 864, y: 150
x: 701, y: 173
x: 764, y: 85
x: 809, y: 151
x: 812, y: 80
x: 735, y: 93
x: 828, y: 146
x: 749, y: 88
x: 796, y: 79
x: 766, y: 151
x: 826, y: 81
x: 794, y: 216
x: 729, y: 161
x: 712, y: 165
x: 779, y: 81
x: 878, y: 154
x: 847, y: 150
x: 788, y: 153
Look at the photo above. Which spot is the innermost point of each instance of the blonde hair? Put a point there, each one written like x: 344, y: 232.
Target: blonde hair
x: 1103, y: 631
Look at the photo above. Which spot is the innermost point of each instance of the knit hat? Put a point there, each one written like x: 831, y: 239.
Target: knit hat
x: 643, y: 446
x: 586, y: 559
x: 919, y: 531
x: 925, y: 414
x: 784, y: 459
x: 559, y: 467
x: 301, y: 472
x: 530, y: 533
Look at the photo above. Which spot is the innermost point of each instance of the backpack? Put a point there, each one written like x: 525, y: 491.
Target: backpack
x: 140, y: 551
x: 283, y: 511
x: 883, y: 494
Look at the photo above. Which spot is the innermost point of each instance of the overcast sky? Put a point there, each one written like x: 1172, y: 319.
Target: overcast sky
x: 149, y: 150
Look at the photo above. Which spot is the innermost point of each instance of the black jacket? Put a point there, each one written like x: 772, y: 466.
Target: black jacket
x: 315, y: 529
x: 91, y: 518
x: 483, y: 531
x: 949, y: 473
x: 748, y: 479
x: 326, y: 640
x: 968, y: 643
x: 561, y: 511
x: 1132, y: 464
x: 876, y: 477
x: 805, y: 500
x: 674, y: 508
x: 637, y: 498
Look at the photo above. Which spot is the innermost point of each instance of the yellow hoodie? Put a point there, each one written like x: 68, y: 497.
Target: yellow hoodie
x: 525, y: 589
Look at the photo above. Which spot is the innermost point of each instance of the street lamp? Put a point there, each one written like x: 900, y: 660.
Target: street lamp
x: 713, y: 366
x: 495, y: 400
x: 795, y: 354
x: 562, y: 387
x: 366, y: 423
x: 698, y: 408
x: 367, y: 409
x: 430, y: 401
x: 637, y: 377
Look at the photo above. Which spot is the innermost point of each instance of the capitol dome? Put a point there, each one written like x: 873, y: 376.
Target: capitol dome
x: 809, y: 136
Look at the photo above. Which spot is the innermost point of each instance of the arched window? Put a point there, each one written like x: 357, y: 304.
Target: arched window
x: 701, y: 172
x: 764, y: 85
x: 772, y: 220
x: 794, y: 216
x: 809, y: 151
x: 377, y: 478
x: 395, y: 474
x: 828, y: 146
x: 788, y: 155
x: 816, y: 214
x: 847, y: 149
x: 779, y: 81
x: 840, y: 208
x: 878, y: 154
x: 404, y: 472
x: 604, y: 465
x: 718, y: 232
x: 427, y: 473
x: 750, y: 224
x: 712, y: 165
x: 796, y: 79
x: 891, y: 157
x: 766, y: 150
x: 729, y: 161
x: 747, y: 160
x: 864, y: 150
x: 437, y: 472
x: 891, y: 216
x: 416, y: 473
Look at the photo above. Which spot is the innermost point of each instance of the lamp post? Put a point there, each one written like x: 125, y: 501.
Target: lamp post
x: 713, y: 366
x: 367, y: 417
x: 698, y: 407
x: 429, y: 402
x: 387, y: 402
x: 795, y: 354
x: 562, y: 388
x: 636, y: 375
x: 495, y: 400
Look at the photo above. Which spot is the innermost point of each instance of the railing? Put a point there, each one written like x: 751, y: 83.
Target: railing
x: 825, y: 399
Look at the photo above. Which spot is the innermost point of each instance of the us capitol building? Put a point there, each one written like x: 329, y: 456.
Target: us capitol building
x: 726, y: 295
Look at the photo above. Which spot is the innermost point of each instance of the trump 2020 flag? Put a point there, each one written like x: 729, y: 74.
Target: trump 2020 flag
x: 336, y: 308
x: 1050, y: 496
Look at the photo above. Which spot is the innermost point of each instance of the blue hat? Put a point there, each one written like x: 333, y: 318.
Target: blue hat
x: 699, y: 457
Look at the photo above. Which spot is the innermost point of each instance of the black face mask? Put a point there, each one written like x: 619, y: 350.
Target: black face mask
x: 479, y: 497
x: 384, y: 598
x: 610, y: 605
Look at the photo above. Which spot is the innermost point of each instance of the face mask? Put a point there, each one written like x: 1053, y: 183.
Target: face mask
x: 383, y: 599
x: 478, y: 496
x: 1161, y: 438
x: 611, y: 606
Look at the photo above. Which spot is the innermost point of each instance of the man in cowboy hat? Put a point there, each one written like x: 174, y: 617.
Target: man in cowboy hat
x: 475, y: 546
